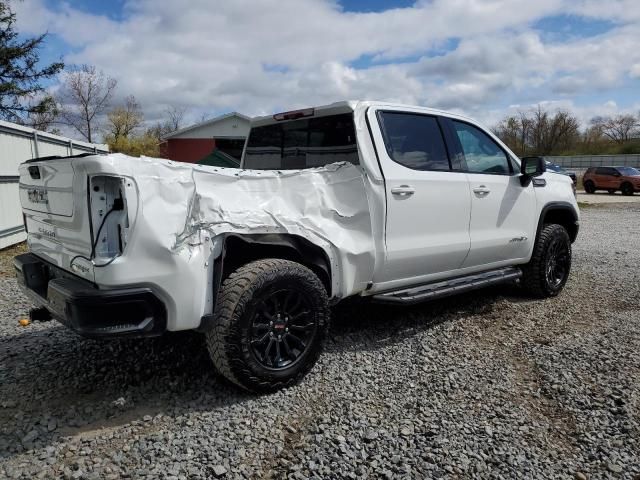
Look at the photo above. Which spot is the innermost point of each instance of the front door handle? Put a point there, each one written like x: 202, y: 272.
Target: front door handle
x: 403, y: 190
x: 481, y: 191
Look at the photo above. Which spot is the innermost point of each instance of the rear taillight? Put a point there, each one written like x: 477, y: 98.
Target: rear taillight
x: 109, y: 216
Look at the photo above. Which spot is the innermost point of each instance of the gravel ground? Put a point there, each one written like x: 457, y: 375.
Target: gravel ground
x: 487, y: 385
x: 604, y: 197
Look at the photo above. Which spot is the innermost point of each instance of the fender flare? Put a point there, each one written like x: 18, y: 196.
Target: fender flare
x: 313, y: 255
x: 564, y: 207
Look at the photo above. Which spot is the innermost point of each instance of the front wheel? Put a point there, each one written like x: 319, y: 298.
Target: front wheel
x: 548, y: 270
x: 271, y: 319
x: 589, y: 186
x: 627, y: 189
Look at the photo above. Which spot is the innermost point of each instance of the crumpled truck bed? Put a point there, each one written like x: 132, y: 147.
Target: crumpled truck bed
x: 183, y: 206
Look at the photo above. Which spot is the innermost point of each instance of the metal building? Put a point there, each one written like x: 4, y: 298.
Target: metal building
x: 209, y: 142
x: 17, y: 144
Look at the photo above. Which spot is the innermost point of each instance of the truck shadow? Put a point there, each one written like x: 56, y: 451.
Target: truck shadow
x: 361, y: 324
x: 56, y: 384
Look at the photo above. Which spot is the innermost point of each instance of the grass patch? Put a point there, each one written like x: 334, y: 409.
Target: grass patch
x: 6, y: 258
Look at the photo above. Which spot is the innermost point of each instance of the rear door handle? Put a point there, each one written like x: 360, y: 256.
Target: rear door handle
x: 481, y: 191
x: 403, y: 190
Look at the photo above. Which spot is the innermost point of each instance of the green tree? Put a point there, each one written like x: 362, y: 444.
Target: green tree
x: 22, y: 96
x: 136, y: 145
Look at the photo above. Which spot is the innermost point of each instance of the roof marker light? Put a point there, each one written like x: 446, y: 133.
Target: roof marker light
x: 293, y: 114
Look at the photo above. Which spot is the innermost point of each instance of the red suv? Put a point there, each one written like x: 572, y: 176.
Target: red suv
x: 611, y: 179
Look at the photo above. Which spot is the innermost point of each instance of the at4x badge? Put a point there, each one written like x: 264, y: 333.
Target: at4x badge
x: 518, y: 239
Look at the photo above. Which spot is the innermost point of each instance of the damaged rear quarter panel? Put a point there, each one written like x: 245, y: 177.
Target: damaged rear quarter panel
x: 183, y: 207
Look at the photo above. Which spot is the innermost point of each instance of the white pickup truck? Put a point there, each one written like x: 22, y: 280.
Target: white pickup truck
x: 395, y: 203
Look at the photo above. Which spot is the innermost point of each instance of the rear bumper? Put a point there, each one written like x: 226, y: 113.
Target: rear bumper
x: 83, y: 307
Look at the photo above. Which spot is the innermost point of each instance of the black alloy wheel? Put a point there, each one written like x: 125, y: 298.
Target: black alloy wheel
x: 548, y: 270
x: 270, y: 322
x: 558, y: 262
x: 282, y: 328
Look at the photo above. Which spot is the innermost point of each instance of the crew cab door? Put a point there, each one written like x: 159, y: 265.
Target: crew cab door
x: 428, y: 203
x: 503, y: 212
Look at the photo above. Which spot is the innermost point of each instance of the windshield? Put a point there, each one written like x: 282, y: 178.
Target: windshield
x: 305, y: 143
x: 628, y: 171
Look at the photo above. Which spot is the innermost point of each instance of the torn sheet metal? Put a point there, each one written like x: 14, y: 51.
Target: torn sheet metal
x: 183, y: 207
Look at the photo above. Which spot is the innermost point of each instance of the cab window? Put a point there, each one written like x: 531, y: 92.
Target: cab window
x: 414, y: 140
x: 481, y: 153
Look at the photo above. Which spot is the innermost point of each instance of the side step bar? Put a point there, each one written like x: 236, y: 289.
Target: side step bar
x: 453, y: 286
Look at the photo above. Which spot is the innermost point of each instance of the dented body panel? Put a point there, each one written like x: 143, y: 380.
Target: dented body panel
x: 178, y: 211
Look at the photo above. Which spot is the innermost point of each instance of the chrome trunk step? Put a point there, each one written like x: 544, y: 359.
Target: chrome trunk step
x: 453, y: 286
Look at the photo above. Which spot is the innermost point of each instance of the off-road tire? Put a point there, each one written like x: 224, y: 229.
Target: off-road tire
x: 589, y: 186
x: 627, y: 189
x: 229, y: 340
x: 534, y: 279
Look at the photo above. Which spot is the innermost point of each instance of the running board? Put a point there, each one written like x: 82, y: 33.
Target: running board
x: 445, y: 288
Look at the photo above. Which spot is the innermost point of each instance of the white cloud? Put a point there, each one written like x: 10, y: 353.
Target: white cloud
x: 217, y: 56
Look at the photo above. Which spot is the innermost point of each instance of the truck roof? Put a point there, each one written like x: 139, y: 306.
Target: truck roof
x: 346, y: 106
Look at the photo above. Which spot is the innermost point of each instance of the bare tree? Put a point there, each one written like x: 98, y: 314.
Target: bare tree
x: 515, y: 131
x: 526, y: 125
x: 508, y: 130
x: 175, y: 116
x: 563, y: 132
x: 122, y: 121
x: 539, y: 125
x: 172, y: 122
x: 539, y: 131
x: 84, y: 97
x: 619, y: 129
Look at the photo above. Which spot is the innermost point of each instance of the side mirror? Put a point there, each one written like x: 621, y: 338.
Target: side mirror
x: 531, y: 167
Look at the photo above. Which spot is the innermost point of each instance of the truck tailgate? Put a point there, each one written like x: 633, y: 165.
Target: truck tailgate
x: 54, y: 201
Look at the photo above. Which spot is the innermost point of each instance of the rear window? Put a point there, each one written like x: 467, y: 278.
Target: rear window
x: 628, y: 171
x: 305, y: 143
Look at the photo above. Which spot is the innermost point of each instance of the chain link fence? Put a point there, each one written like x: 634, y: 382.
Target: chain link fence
x: 582, y: 162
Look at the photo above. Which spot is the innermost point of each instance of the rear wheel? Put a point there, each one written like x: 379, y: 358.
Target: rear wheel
x: 547, y: 272
x: 627, y: 189
x: 271, y: 320
x: 589, y: 186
